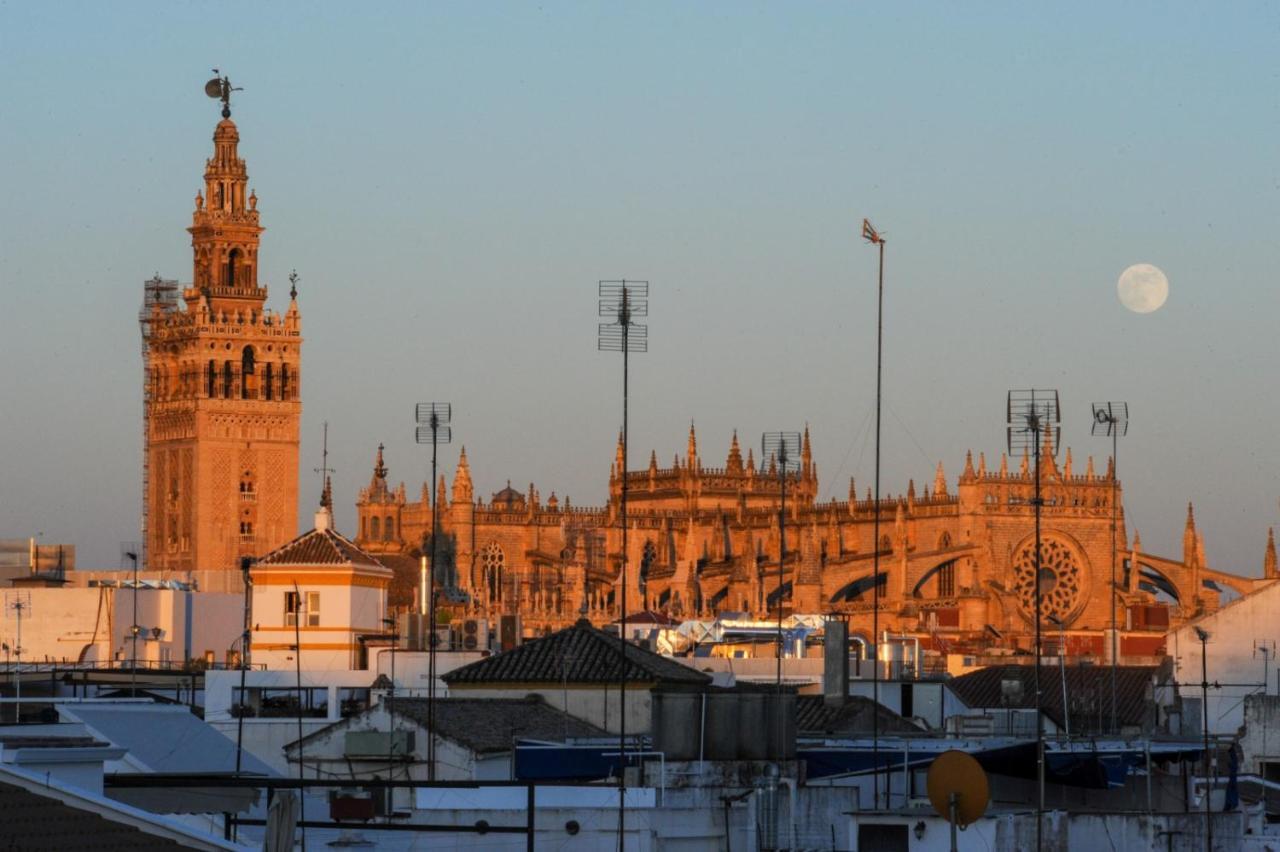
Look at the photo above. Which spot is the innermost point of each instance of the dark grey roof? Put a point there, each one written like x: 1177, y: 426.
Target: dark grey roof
x: 484, y: 725
x: 1088, y: 691
x: 487, y: 725
x: 814, y: 717
x: 578, y: 654
x: 31, y: 821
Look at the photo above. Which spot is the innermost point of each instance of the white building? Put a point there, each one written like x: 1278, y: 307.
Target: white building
x: 322, y: 592
x: 1241, y: 658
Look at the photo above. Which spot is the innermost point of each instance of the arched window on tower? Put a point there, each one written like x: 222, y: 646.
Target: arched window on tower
x: 228, y: 379
x: 284, y: 382
x: 375, y: 528
x: 233, y: 265
x: 246, y: 370
x: 388, y: 528
x: 268, y: 381
x: 212, y: 379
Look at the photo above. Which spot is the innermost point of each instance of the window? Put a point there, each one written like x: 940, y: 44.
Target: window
x: 284, y: 381
x: 227, y: 379
x: 311, y: 610
x: 493, y: 560
x: 233, y: 260
x: 268, y: 381
x: 388, y: 529
x: 375, y: 525
x: 213, y: 379
x: 246, y: 370
x: 947, y: 580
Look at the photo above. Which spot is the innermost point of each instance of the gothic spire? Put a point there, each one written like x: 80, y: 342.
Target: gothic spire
x: 940, y: 481
x: 462, y: 488
x: 968, y: 473
x: 733, y: 464
x: 692, y: 458
x: 1189, y: 536
x: 379, y: 469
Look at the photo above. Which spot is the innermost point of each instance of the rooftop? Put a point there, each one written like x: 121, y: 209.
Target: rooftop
x: 578, y: 654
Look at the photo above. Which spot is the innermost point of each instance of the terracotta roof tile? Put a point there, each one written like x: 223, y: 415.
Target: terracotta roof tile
x: 320, y: 547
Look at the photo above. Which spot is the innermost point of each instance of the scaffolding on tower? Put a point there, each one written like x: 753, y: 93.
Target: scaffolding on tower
x: 161, y: 293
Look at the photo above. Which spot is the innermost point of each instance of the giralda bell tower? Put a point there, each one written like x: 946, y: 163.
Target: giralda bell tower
x: 223, y: 403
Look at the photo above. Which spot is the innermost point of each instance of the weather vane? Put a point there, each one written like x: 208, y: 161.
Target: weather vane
x: 220, y: 87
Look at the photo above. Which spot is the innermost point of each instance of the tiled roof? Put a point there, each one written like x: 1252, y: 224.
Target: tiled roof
x: 484, y: 725
x: 31, y: 821
x: 577, y: 654
x: 320, y: 547
x: 1088, y: 692
x: 814, y: 717
x: 487, y: 725
x: 649, y: 616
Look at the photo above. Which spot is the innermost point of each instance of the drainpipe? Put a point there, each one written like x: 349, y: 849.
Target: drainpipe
x: 790, y: 784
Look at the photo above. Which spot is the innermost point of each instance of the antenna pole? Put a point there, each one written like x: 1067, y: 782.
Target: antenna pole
x: 1112, y: 419
x: 433, y: 426
x: 871, y: 235
x: 297, y: 664
x: 623, y: 301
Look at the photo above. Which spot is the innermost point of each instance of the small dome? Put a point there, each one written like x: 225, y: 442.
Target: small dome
x: 508, y: 497
x: 226, y: 129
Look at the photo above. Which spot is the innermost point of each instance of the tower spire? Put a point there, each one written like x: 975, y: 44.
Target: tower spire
x: 733, y: 464
x: 462, y: 488
x: 692, y: 458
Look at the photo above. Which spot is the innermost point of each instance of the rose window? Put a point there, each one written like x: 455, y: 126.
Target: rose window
x: 1061, y: 579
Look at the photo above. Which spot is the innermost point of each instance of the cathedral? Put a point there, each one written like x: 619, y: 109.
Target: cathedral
x: 952, y: 564
x: 956, y: 563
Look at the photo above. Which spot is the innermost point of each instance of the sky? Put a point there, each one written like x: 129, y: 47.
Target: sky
x: 451, y: 180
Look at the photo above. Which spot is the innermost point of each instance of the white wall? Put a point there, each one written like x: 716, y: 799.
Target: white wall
x: 1234, y: 631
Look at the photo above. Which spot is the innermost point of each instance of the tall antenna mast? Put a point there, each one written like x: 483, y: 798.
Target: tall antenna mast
x: 159, y: 298
x: 1111, y: 420
x: 1030, y: 416
x: 326, y: 495
x: 18, y: 603
x: 783, y: 448
x: 871, y: 235
x: 623, y: 301
x: 434, y: 427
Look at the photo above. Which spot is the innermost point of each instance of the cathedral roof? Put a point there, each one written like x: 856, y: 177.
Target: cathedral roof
x: 320, y: 547
x: 577, y: 654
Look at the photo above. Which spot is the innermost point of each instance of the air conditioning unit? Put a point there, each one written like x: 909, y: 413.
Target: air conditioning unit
x: 475, y: 634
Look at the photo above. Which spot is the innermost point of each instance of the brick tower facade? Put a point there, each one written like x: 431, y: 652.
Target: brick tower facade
x: 223, y: 402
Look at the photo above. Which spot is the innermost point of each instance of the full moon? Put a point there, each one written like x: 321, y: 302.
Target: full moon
x: 1142, y: 288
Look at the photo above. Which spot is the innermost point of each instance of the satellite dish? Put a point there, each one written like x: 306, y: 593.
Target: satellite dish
x: 213, y: 88
x: 958, y: 788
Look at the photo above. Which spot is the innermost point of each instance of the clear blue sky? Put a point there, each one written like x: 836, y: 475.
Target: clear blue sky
x: 450, y: 180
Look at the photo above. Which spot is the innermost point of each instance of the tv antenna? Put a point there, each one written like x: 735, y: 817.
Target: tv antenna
x: 434, y: 421
x: 1031, y: 416
x: 220, y: 88
x: 621, y: 302
x: 18, y: 603
x: 326, y: 495
x: 1111, y: 420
